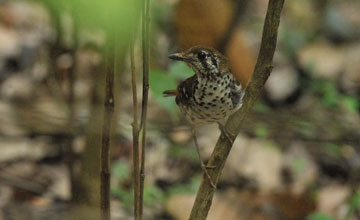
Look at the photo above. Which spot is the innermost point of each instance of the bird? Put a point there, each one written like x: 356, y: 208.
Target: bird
x: 211, y: 95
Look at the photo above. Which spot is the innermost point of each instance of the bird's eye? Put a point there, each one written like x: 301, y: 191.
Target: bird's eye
x: 201, y: 55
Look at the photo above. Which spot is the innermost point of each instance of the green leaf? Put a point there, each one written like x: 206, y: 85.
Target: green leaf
x: 319, y: 216
x: 159, y: 82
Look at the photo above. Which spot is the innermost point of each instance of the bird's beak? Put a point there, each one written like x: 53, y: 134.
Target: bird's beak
x: 178, y: 56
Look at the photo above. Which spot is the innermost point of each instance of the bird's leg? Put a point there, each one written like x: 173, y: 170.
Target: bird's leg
x: 229, y: 135
x: 203, y: 167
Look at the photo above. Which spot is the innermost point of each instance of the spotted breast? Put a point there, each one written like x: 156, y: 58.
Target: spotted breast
x: 213, y: 93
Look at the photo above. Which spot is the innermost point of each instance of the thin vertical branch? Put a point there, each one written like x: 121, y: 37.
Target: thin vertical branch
x: 135, y: 132
x: 106, y: 129
x: 223, y: 146
x: 146, y: 56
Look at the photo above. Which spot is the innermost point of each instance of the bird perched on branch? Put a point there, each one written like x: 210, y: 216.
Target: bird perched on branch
x: 211, y: 95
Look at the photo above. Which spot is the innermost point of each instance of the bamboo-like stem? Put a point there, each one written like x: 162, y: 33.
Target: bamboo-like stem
x: 135, y: 133
x: 223, y: 146
x: 146, y: 56
x: 106, y: 129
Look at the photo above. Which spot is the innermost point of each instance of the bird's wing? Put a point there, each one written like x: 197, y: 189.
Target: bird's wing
x: 237, y: 94
x: 186, y: 90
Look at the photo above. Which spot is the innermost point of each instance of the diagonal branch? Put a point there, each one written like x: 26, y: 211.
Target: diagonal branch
x: 260, y: 75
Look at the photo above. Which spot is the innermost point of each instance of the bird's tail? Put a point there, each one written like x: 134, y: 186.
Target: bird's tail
x: 168, y: 93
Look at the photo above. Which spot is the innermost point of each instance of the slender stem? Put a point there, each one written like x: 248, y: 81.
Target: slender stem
x: 135, y: 131
x: 106, y: 129
x: 223, y: 146
x: 146, y: 57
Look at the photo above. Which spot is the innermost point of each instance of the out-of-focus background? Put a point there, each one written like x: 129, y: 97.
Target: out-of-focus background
x: 297, y: 156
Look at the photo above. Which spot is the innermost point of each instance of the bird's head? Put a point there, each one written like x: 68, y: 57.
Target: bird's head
x: 203, y: 60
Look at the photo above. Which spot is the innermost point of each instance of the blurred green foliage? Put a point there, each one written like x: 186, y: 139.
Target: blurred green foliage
x: 188, y: 188
x: 152, y: 193
x: 180, y: 71
x: 120, y: 169
x: 261, y: 107
x: 351, y: 103
x: 261, y: 130
x: 184, y: 152
x: 160, y: 81
x: 298, y: 164
x: 332, y: 98
x: 122, y: 172
x: 333, y: 149
x: 354, y: 205
x: 110, y: 15
x: 319, y: 216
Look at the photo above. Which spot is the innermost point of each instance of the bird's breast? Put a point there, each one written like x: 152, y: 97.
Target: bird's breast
x: 210, y: 101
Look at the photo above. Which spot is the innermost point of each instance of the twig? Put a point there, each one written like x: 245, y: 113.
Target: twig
x: 106, y: 129
x: 223, y: 146
x: 146, y: 56
x: 135, y: 132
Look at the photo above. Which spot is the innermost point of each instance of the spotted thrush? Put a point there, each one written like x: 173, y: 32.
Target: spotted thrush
x: 211, y: 95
